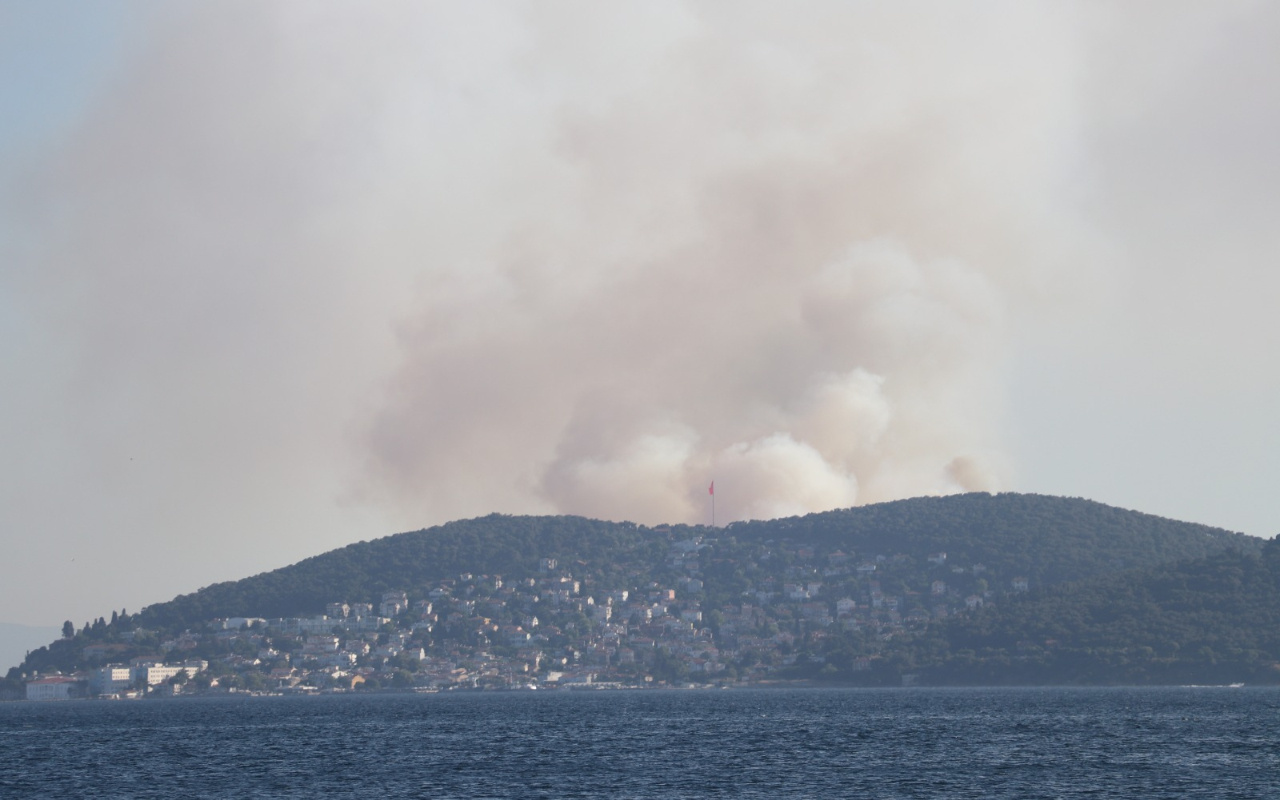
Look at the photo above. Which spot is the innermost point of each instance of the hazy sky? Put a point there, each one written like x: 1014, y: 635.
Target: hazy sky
x: 277, y: 277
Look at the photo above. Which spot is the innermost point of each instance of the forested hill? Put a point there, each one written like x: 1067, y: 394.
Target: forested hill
x: 496, y: 544
x: 1046, y: 539
x: 1211, y: 620
x: 867, y: 594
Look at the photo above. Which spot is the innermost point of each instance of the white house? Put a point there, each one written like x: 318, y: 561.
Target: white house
x: 111, y: 679
x: 393, y: 604
x: 57, y: 687
x: 155, y: 674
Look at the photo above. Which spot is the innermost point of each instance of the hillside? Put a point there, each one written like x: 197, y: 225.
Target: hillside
x: 937, y: 586
x: 1209, y: 620
x: 1046, y: 539
x: 413, y: 562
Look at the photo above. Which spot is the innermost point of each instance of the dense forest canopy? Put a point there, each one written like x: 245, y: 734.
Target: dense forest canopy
x: 1209, y: 620
x: 1113, y: 594
x: 1047, y: 539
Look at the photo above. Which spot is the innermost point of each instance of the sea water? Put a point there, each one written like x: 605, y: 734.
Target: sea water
x: 778, y: 743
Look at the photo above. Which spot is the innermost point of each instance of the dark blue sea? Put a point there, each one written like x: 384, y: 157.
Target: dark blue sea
x: 782, y: 743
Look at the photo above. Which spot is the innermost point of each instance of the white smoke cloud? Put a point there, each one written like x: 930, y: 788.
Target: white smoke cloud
x: 774, y: 251
x: 306, y: 272
x: 304, y: 260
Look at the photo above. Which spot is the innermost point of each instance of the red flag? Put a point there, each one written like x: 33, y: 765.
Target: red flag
x: 712, y: 488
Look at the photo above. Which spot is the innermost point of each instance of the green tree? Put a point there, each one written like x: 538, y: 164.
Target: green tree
x: 402, y: 679
x: 255, y: 681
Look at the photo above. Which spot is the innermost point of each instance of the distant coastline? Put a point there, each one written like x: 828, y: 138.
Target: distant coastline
x: 967, y: 590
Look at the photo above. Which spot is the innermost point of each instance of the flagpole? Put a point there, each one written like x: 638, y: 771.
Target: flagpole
x: 712, y: 491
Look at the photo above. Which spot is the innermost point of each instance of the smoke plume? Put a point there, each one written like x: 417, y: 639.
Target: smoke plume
x: 445, y: 259
x: 774, y: 251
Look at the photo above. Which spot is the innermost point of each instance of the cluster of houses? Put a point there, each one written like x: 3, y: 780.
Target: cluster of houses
x: 564, y: 626
x: 115, y: 680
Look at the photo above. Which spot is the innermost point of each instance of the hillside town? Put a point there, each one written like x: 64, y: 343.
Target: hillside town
x: 806, y: 613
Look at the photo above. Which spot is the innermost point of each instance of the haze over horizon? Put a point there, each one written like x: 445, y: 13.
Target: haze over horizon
x: 283, y: 276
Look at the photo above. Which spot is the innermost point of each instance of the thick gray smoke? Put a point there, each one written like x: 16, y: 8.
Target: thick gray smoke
x: 444, y: 259
x: 775, y: 251
x: 276, y: 276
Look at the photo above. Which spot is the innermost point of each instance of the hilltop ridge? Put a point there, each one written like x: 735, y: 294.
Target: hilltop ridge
x: 1049, y: 539
x: 866, y: 594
